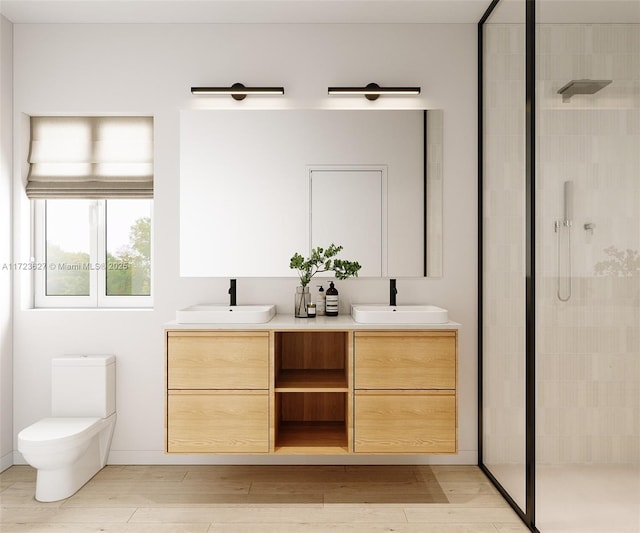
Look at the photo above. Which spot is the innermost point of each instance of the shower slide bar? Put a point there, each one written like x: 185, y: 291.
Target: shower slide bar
x: 563, y: 229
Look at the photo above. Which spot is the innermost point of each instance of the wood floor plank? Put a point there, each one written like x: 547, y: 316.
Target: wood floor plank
x: 315, y: 473
x: 160, y: 487
x: 21, y: 494
x: 467, y: 487
x: 12, y: 515
x: 302, y: 487
x: 105, y: 528
x: 257, y: 515
x: 18, y: 473
x: 449, y: 514
x: 453, y: 473
x: 352, y: 528
x: 476, y: 500
x: 138, y: 472
x: 388, y: 497
x: 194, y: 500
x: 253, y: 472
x: 511, y: 528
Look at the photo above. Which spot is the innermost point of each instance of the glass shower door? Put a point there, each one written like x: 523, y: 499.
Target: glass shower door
x: 504, y: 238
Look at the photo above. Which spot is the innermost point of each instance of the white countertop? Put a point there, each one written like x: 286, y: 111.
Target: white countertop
x: 289, y: 322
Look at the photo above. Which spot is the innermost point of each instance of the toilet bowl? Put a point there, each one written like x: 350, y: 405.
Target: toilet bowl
x: 69, y: 448
x: 67, y: 452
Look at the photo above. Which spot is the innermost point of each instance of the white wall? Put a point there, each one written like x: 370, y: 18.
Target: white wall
x: 6, y: 148
x: 149, y: 69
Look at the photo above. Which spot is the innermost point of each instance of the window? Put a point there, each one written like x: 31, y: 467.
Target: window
x: 91, y: 182
x: 93, y: 253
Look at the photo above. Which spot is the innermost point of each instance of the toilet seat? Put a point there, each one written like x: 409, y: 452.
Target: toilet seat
x: 57, y: 432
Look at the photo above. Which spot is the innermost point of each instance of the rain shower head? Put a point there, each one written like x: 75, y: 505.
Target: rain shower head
x: 581, y: 87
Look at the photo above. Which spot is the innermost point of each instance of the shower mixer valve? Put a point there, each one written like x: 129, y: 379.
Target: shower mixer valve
x: 557, y: 224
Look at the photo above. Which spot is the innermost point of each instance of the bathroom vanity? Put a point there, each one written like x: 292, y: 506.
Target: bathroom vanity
x: 311, y: 386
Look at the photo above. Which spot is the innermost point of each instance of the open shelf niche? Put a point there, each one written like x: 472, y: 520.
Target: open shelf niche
x: 313, y: 391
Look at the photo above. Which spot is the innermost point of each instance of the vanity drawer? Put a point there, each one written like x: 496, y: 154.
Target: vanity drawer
x: 221, y: 360
x: 405, y: 422
x: 405, y: 360
x: 218, y: 422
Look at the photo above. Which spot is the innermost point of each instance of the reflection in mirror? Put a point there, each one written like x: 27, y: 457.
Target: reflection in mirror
x: 356, y: 198
x: 247, y: 193
x: 434, y: 127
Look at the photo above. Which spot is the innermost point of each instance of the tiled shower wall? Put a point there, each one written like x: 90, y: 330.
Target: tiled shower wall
x: 588, y: 348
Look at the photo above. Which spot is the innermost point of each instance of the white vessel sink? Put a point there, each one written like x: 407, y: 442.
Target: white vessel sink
x: 399, y: 314
x: 225, y: 314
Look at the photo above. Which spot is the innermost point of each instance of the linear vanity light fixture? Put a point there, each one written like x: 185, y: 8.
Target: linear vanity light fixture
x: 237, y: 91
x: 373, y: 91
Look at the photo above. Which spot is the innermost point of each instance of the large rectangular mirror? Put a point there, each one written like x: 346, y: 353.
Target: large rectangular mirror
x: 257, y: 186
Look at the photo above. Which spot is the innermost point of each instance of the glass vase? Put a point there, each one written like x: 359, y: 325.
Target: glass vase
x: 301, y: 303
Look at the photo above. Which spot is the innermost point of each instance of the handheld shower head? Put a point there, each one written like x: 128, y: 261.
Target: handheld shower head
x: 568, y: 203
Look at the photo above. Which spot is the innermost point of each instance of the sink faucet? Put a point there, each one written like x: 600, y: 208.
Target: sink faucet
x: 232, y: 292
x: 392, y: 292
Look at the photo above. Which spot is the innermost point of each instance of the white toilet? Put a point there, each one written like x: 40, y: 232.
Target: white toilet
x: 72, y: 446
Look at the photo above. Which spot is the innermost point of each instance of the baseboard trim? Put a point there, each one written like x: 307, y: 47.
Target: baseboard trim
x: 6, y: 461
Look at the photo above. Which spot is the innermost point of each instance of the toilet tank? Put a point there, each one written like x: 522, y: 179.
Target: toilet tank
x: 83, y: 385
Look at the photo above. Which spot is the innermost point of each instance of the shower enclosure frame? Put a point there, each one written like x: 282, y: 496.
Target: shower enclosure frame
x: 528, y: 514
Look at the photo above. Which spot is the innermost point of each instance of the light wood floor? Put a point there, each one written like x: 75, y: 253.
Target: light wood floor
x: 261, y: 499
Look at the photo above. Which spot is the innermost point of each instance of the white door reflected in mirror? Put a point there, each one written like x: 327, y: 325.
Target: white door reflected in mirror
x: 351, y: 202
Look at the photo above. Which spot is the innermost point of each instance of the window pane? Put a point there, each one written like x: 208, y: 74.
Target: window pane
x: 128, y: 228
x: 68, y: 227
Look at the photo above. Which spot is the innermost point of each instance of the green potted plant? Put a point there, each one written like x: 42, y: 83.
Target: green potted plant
x: 320, y: 260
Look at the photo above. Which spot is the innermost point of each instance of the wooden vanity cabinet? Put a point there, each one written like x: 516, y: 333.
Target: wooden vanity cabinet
x: 217, y: 391
x: 405, y: 392
x: 311, y: 391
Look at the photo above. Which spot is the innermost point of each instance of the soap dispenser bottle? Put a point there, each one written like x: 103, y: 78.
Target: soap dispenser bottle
x: 331, y: 307
x: 320, y: 303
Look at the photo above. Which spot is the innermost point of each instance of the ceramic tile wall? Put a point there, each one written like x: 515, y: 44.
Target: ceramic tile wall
x: 588, y: 360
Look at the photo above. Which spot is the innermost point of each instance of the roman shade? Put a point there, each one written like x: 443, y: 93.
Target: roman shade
x: 91, y: 157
